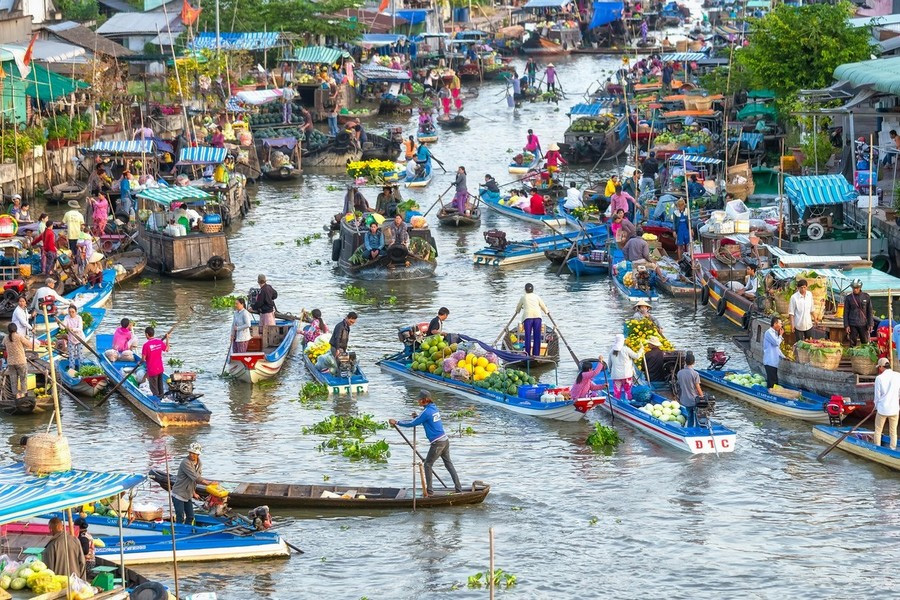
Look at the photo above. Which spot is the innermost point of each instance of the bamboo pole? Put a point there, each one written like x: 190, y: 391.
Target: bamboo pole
x: 690, y: 226
x: 59, y: 427
x: 781, y: 194
x: 491, y: 562
x: 872, y: 171
x: 414, y: 468
x: 171, y: 525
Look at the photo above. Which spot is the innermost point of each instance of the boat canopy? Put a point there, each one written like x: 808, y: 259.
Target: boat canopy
x: 683, y: 57
x: 120, y: 147
x: 318, y: 55
x: 750, y: 138
x: 376, y: 73
x: 288, y: 142
x: 697, y: 160
x: 761, y: 95
x: 875, y: 282
x: 257, y: 97
x: 23, y: 495
x: 379, y: 40
x: 259, y: 40
x: 606, y: 13
x: 591, y: 110
x: 818, y: 190
x: 167, y: 195
x: 201, y: 155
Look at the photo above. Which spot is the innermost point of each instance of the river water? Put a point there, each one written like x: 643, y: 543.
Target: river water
x: 763, y: 522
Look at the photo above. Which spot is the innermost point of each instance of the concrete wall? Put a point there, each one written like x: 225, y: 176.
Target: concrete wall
x: 15, y: 29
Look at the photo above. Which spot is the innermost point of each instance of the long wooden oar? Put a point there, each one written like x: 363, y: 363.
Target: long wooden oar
x: 568, y: 254
x: 843, y: 437
x: 438, y: 200
x: 436, y: 159
x: 505, y: 329
x: 228, y: 356
x: 422, y: 458
x: 568, y: 347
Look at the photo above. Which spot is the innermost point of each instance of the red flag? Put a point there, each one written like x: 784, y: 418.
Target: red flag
x: 27, y: 59
x: 383, y: 6
x: 189, y: 14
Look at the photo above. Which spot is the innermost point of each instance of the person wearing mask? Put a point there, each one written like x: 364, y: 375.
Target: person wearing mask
x: 689, y: 389
x: 74, y: 325
x: 531, y: 306
x: 73, y: 220
x: 240, y: 326
x: 396, y: 232
x: 16, y: 364
x: 436, y: 326
x: 184, y: 490
x: 858, y: 318
x: 621, y: 367
x: 63, y: 553
x: 430, y: 420
x: 340, y: 336
x: 772, y: 353
x: 264, y: 305
x: 584, y: 385
x: 800, y: 311
x: 152, y: 355
x: 887, y: 402
x: 573, y: 197
x: 373, y: 242
x: 316, y: 326
x: 654, y: 359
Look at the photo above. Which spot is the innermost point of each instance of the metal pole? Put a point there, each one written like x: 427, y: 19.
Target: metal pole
x: 690, y: 226
x: 414, y: 468
x: 218, y: 43
x: 872, y: 171
x: 121, y: 542
x: 491, y: 562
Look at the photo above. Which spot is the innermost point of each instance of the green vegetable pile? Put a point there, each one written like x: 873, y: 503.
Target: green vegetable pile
x: 506, y: 381
x: 89, y: 370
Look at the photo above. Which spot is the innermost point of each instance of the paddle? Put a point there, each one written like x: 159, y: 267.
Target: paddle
x: 406, y: 439
x: 438, y: 200
x: 505, y: 329
x: 843, y: 437
x: 568, y: 254
x: 435, y: 159
x: 559, y: 333
x: 228, y: 356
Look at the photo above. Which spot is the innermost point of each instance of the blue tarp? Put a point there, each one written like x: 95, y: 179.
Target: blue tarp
x: 605, y: 13
x: 697, y: 160
x: 23, y: 495
x: 591, y: 110
x: 236, y: 41
x: 414, y: 16
x: 202, y: 155
x: 818, y: 190
x: 537, y: 4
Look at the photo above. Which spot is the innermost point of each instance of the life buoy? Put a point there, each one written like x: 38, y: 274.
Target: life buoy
x: 815, y: 231
x: 336, y: 249
x: 216, y: 263
x: 745, y: 320
x: 704, y: 295
x: 721, y: 306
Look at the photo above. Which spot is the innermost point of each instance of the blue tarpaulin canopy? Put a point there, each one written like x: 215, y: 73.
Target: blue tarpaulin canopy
x: 201, y: 155
x: 697, y: 160
x: 591, y: 110
x: 23, y: 495
x: 167, y: 195
x: 605, y: 13
x: 414, y: 16
x: 120, y: 147
x: 818, y: 190
x: 260, y: 40
x: 376, y: 40
x: 540, y: 4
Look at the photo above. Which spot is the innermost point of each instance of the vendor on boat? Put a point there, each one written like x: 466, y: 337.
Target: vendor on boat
x: 536, y: 203
x: 772, y: 353
x: 584, y: 386
x: 532, y: 143
x: 396, y: 232
x: 490, y: 184
x: 654, y: 360
x: 63, y: 553
x: 621, y: 366
x: 264, y: 304
x: 430, y: 420
x: 316, y: 326
x: 184, y: 490
x: 409, y: 148
x: 531, y: 306
x: 695, y: 189
x: 610, y: 188
x: 550, y: 72
x: 74, y: 326
x: 649, y: 169
x: 689, y: 389
x: 340, y: 337
x: 681, y: 227
x: 637, y: 252
x: 240, y: 326
x: 642, y: 310
x: 373, y: 242
x: 858, y: 318
x: 621, y: 200
x: 461, y: 197
x: 21, y: 317
x: 887, y: 402
x: 800, y: 311
x: 573, y: 196
x: 423, y: 161
x: 16, y: 364
x: 43, y: 293
x: 554, y: 159
x: 123, y: 343
x: 436, y: 326
x: 152, y: 356
x: 531, y: 71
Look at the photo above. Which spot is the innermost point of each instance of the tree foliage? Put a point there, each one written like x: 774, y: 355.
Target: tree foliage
x: 795, y: 48
x: 303, y: 17
x: 79, y: 10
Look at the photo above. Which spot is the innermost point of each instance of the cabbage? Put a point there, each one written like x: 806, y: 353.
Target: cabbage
x: 17, y: 584
x: 37, y: 566
x: 24, y: 573
x: 5, y: 580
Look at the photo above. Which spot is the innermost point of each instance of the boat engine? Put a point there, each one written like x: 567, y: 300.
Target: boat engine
x: 642, y: 278
x: 716, y: 357
x: 834, y: 408
x: 181, y: 386
x: 260, y: 518
x: 684, y: 265
x: 704, y: 409
x: 252, y: 293
x: 496, y: 239
x: 346, y: 364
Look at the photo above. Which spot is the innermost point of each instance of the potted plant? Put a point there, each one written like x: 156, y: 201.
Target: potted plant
x: 59, y: 129
x: 84, y: 127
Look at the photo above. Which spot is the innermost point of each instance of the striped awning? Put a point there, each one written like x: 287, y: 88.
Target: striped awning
x: 167, y: 195
x: 683, y: 57
x: 23, y: 495
x: 201, y: 155
x: 372, y: 72
x: 120, y: 147
x: 591, y: 110
x: 317, y: 54
x: 697, y: 160
x: 257, y: 97
x: 818, y: 190
x: 260, y: 40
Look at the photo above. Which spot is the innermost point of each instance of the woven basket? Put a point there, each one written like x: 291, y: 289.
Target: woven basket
x: 863, y: 366
x: 47, y: 453
x: 827, y: 361
x: 210, y: 227
x: 801, y: 355
x: 782, y: 306
x: 149, y: 515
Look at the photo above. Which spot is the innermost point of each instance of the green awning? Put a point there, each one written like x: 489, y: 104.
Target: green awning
x: 167, y: 195
x: 48, y: 86
x: 317, y: 54
x: 882, y: 74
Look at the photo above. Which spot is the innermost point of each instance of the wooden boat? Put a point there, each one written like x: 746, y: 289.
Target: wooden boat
x: 263, y: 360
x: 170, y: 410
x: 502, y: 253
x: 521, y: 168
x: 419, y: 182
x: 571, y: 410
x: 514, y: 343
x: 540, y: 46
x: 718, y: 296
x: 605, y: 141
x: 807, y: 407
x: 448, y: 215
x: 94, y: 296
x: 86, y: 386
x: 675, y: 283
x: 62, y: 193
x: 39, y: 398
x: 454, y: 122
x: 619, y: 269
x: 355, y: 383
x: 427, y: 136
x: 583, y: 266
x: 860, y: 443
x: 128, y: 265
x: 696, y: 440
x: 417, y: 261
x: 287, y: 171
x: 492, y: 201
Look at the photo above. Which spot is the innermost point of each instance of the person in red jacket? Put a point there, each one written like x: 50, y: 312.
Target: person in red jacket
x: 47, y: 240
x: 536, y: 204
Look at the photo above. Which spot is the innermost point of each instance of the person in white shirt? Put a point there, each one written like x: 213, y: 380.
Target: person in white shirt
x: 175, y: 229
x: 800, y: 311
x: 887, y: 402
x: 621, y: 366
x: 20, y: 317
x: 44, y: 291
x: 573, y: 197
x: 531, y: 305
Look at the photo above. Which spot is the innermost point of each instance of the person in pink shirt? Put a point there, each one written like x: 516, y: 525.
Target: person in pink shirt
x: 152, y: 355
x: 620, y: 200
x: 123, y: 344
x: 584, y: 383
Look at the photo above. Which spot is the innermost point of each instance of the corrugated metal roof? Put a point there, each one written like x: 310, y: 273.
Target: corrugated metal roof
x: 257, y: 40
x: 377, y: 73
x: 818, y: 190
x: 591, y: 110
x: 377, y: 40
x: 140, y: 23
x: 883, y: 74
x: 49, y: 51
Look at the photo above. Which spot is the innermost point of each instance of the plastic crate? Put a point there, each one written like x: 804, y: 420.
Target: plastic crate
x: 533, y: 392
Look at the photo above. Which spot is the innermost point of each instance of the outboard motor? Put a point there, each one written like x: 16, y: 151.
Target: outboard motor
x: 252, y: 294
x: 704, y: 409
x: 346, y: 364
x: 181, y: 386
x: 834, y: 408
x: 496, y: 239
x: 684, y: 265
x: 716, y: 357
x: 260, y: 518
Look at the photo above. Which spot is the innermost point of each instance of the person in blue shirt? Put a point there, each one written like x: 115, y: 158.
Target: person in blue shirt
x: 772, y: 353
x: 423, y: 161
x: 695, y: 188
x: 373, y: 242
x: 430, y: 420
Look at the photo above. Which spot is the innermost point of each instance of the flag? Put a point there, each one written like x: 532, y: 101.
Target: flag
x: 26, y: 60
x: 189, y: 14
x: 383, y: 6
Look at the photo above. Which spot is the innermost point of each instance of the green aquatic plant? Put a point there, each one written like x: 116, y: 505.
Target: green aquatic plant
x: 145, y: 282
x: 479, y: 580
x: 222, y: 301
x: 603, y: 437
x: 174, y: 361
x: 346, y: 425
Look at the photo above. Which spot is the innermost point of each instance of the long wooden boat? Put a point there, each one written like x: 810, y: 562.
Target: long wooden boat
x: 808, y: 407
x: 675, y: 284
x: 416, y: 261
x: 492, y: 201
x: 723, y: 300
x: 93, y: 296
x: 570, y: 410
x: 356, y: 383
x: 513, y: 343
x: 583, y: 266
x: 588, y: 147
x: 419, y: 182
x: 695, y: 440
x: 128, y: 265
x: 88, y: 386
x: 62, y: 193
x: 860, y: 443
x: 264, y: 358
x: 534, y: 249
x: 449, y: 216
x: 523, y: 168
x: 165, y: 411
x: 454, y: 122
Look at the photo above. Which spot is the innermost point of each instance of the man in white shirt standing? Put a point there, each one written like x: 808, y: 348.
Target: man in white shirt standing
x: 573, y: 197
x: 800, y: 311
x: 531, y: 305
x: 887, y: 402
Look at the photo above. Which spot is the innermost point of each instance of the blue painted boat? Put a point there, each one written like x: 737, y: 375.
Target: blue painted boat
x: 583, y: 266
x: 493, y: 201
x: 417, y: 182
x: 860, y: 443
x: 357, y: 383
x: 574, y: 221
x: 88, y: 386
x: 620, y: 268
x: 521, y: 169
x: 260, y: 362
x: 806, y: 407
x: 83, y: 297
x: 534, y: 249
x: 569, y: 410
x: 165, y: 411
x: 427, y: 137
x: 97, y: 315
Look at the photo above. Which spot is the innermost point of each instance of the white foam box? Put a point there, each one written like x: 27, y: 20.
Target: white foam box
x: 867, y: 202
x: 742, y: 226
x: 723, y: 227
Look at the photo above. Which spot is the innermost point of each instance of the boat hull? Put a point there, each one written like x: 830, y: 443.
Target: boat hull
x: 860, y: 444
x: 582, y: 268
x: 520, y: 252
x: 356, y: 384
x: 810, y: 407
x: 454, y: 219
x: 87, y: 387
x: 253, y: 367
x: 515, y: 169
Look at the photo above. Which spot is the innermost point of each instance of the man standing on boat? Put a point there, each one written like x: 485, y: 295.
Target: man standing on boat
x: 858, y: 319
x: 63, y: 553
x: 887, y: 402
x: 531, y: 71
x: 264, y: 304
x: 73, y: 220
x: 430, y: 420
x: 689, y: 389
x: 340, y: 337
x: 800, y: 311
x: 436, y: 326
x: 649, y: 169
x: 151, y: 354
x: 531, y: 305
x: 184, y: 490
x: 772, y: 353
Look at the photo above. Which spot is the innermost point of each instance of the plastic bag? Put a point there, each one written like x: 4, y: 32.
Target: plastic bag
x: 326, y: 362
